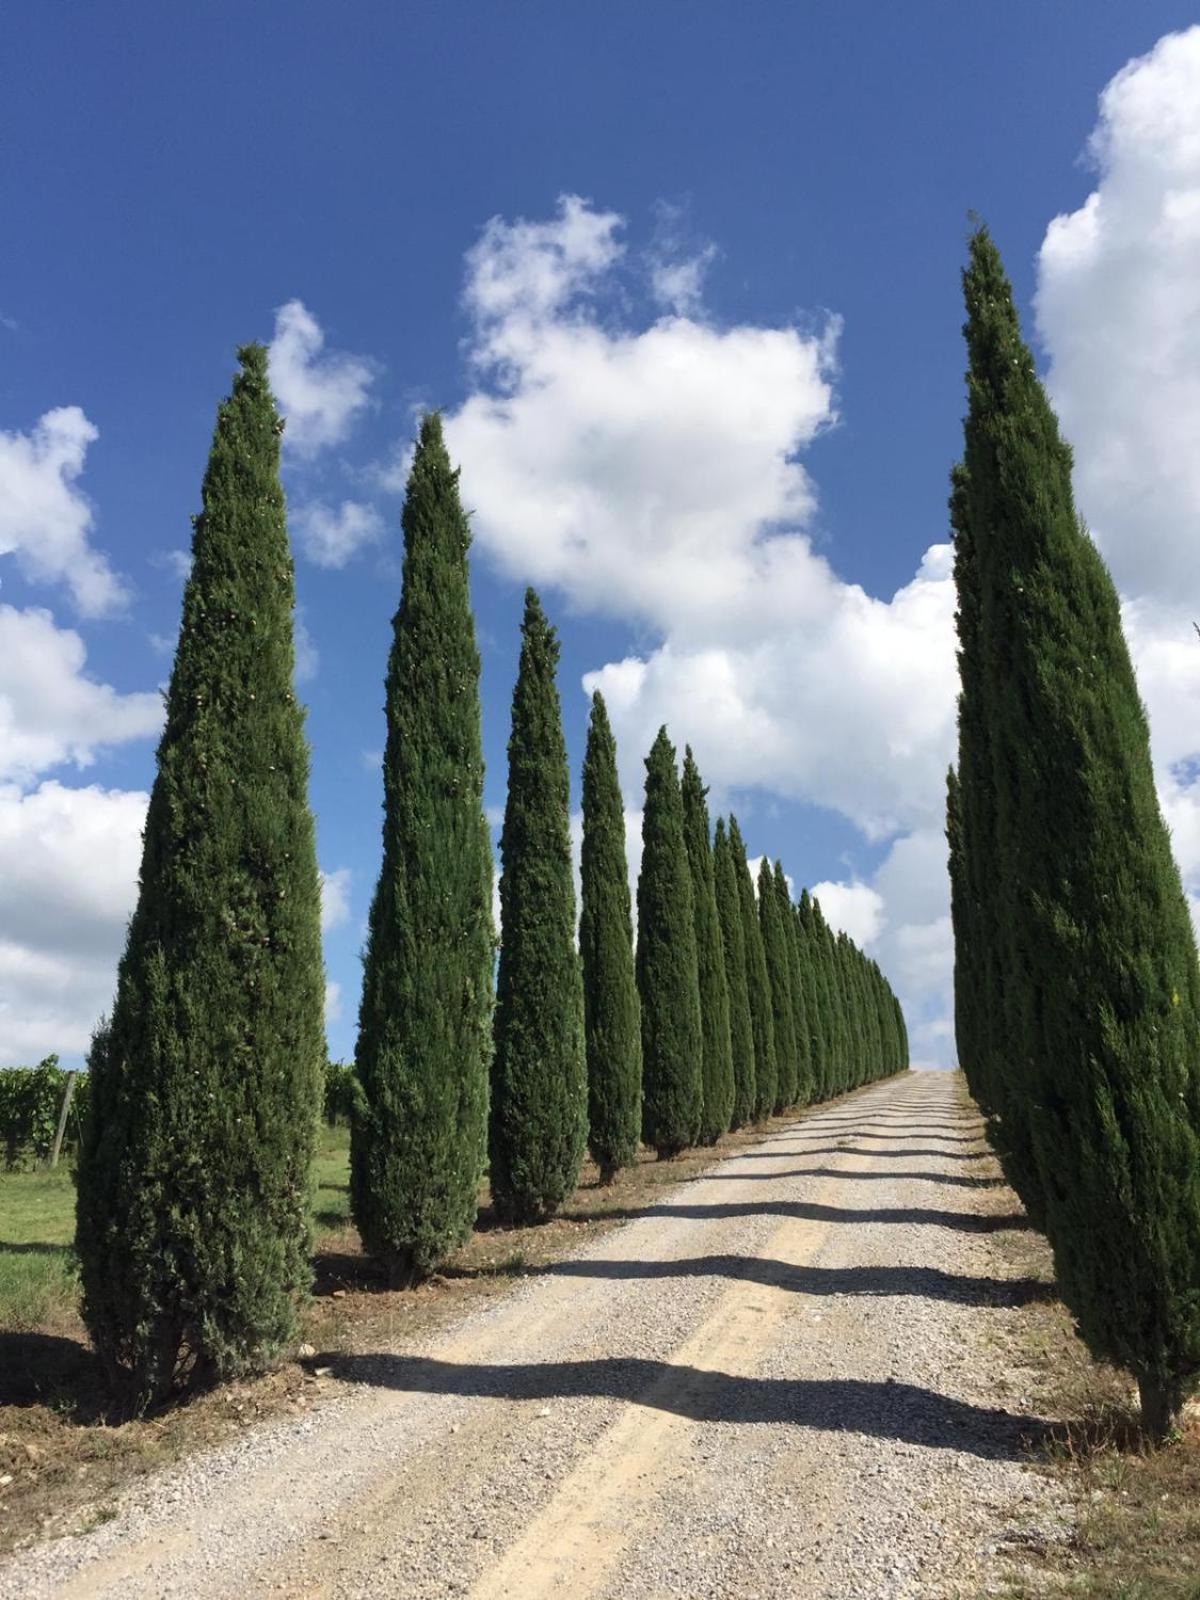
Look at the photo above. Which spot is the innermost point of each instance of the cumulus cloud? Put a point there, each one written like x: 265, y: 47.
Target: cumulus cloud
x: 46, y: 520
x: 321, y: 393
x: 68, y: 856
x: 641, y: 471
x: 308, y: 658
x: 68, y: 880
x: 51, y: 711
x: 335, y: 898
x: 1118, y: 306
x: 330, y: 536
x: 854, y: 908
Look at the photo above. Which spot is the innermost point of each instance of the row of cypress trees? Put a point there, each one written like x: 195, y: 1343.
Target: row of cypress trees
x: 193, y: 1226
x: 1077, y: 988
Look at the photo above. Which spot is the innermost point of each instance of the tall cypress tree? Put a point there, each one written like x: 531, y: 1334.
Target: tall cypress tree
x: 779, y: 978
x: 830, y: 1010
x: 717, y: 1069
x: 982, y: 1029
x: 612, y: 1016
x: 798, y: 988
x: 733, y: 939
x: 539, y: 1076
x: 758, y: 983
x: 818, y: 986
x: 972, y: 1055
x: 193, y: 1200
x: 1101, y: 986
x: 667, y: 971
x: 424, y: 1043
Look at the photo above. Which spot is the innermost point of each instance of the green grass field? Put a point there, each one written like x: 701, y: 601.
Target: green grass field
x: 39, y: 1286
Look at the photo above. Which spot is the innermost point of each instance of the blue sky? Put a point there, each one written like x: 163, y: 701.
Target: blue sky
x: 761, y: 272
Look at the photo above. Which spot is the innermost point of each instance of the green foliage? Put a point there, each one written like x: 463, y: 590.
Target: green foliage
x: 758, y: 983
x: 717, y: 1068
x: 539, y: 1077
x: 817, y: 987
x: 667, y: 972
x: 192, y: 1221
x: 733, y: 941
x: 1066, y: 870
x: 612, y: 1015
x: 779, y: 981
x: 424, y: 1043
x: 30, y: 1101
x: 800, y: 986
x: 340, y: 1093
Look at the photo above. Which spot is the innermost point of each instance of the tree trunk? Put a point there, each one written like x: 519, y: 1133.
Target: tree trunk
x: 1162, y: 1401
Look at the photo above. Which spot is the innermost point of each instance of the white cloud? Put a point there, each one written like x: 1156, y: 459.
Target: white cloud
x: 68, y: 880
x: 677, y: 283
x: 843, y: 699
x: 333, y: 1002
x: 45, y: 519
x: 51, y: 712
x: 521, y: 273
x: 320, y: 393
x: 644, y: 473
x: 335, y: 898
x: 308, y: 658
x: 1118, y: 306
x: 331, y: 535
x: 855, y: 909
x: 177, y: 562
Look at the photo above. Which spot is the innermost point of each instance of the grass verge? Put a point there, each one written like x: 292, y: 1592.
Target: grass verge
x: 1136, y: 1510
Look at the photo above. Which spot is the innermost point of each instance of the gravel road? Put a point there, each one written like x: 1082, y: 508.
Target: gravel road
x: 787, y: 1379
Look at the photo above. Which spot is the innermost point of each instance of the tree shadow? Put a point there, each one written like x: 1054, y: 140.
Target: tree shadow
x: 33, y: 1247
x: 887, y: 1410
x: 809, y: 1211
x: 919, y: 1283
x: 334, y: 1269
x: 955, y: 1180
x: 331, y: 1219
x: 906, y: 1152
x: 64, y: 1374
x: 870, y: 1131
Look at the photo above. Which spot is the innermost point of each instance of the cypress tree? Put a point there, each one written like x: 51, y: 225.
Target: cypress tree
x: 1101, y: 987
x: 193, y: 1198
x: 862, y: 1016
x: 972, y: 1056
x: 835, y: 1021
x: 539, y: 1076
x: 818, y: 986
x: 798, y: 988
x: 758, y: 983
x: 733, y: 939
x: 982, y: 1035
x: 612, y: 1017
x: 424, y: 1042
x: 717, y: 1068
x: 667, y: 972
x: 779, y: 979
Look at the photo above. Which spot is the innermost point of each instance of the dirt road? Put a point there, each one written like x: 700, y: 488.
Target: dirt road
x: 794, y: 1377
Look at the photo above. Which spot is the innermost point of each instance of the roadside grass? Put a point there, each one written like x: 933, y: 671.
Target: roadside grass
x: 38, y: 1285
x: 1135, y: 1531
x: 1137, y: 1508
x: 66, y: 1453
